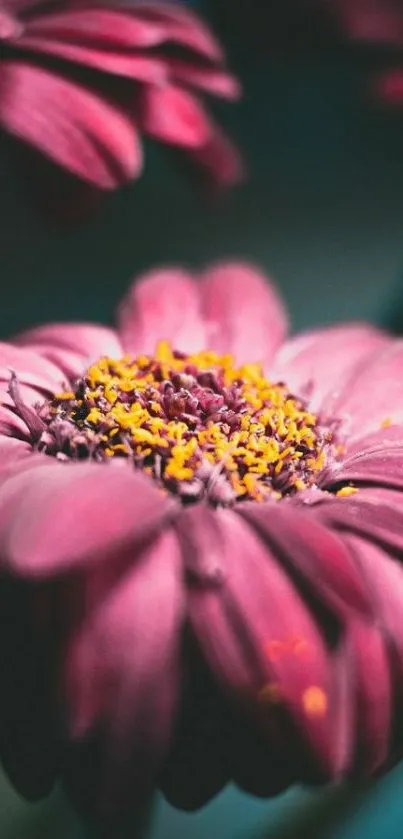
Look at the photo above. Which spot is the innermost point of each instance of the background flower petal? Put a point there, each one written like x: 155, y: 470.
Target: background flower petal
x: 56, y: 516
x: 220, y: 158
x: 243, y: 312
x: 162, y: 305
x: 172, y: 115
x: 86, y: 134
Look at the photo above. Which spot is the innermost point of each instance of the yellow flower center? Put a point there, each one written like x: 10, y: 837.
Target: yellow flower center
x: 198, y: 424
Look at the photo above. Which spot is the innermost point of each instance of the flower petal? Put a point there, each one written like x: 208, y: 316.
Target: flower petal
x: 322, y: 361
x: 220, y: 158
x: 154, y: 310
x: 375, y: 459
x: 172, y: 115
x: 30, y: 368
x: 264, y: 644
x: 55, y: 516
x: 182, y: 26
x: 129, y: 641
x: 209, y: 79
x: 72, y: 346
x: 82, y: 132
x: 375, y: 396
x: 243, y: 312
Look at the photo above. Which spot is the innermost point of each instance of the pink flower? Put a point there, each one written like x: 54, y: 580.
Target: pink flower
x: 200, y: 547
x: 81, y: 82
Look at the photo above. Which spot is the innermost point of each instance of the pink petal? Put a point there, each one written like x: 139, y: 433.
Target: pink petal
x: 154, y: 310
x: 172, y: 115
x: 249, y: 625
x: 243, y: 312
x: 209, y: 79
x: 57, y: 516
x: 377, y: 21
x: 11, y: 448
x: 323, y: 361
x: 75, y: 127
x: 137, y: 67
x: 11, y: 426
x: 72, y: 346
x: 30, y: 368
x: 220, y: 158
x: 183, y: 27
x: 98, y: 28
x: 129, y: 641
x: 383, y: 575
x: 374, y: 395
x: 375, y: 459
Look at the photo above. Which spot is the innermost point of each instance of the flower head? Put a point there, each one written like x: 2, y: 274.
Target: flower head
x: 81, y: 82
x: 200, y: 541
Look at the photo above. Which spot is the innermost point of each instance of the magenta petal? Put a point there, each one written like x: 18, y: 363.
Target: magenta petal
x: 129, y: 641
x: 370, y: 666
x: 154, y: 310
x: 82, y: 132
x: 57, y: 516
x: 243, y: 312
x: 72, y: 346
x: 322, y: 362
x: 262, y: 640
x: 375, y: 395
x: 375, y: 459
x: 170, y: 114
x: 98, y: 28
x: 208, y: 79
x: 376, y: 514
x: 11, y: 426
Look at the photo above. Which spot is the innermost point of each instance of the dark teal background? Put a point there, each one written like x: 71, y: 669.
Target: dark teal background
x: 323, y: 212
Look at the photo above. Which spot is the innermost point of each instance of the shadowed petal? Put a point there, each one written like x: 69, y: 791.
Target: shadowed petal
x: 198, y: 765
x: 129, y: 641
x: 57, y: 516
x: 72, y: 346
x: 181, y: 26
x: 376, y: 513
x: 220, y: 158
x: 243, y: 312
x: 79, y: 130
x: 162, y: 305
x: 321, y: 361
x: 264, y: 644
x: 11, y: 426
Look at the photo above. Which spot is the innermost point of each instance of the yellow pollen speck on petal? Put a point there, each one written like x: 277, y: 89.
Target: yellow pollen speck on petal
x: 387, y: 422
x: 315, y: 701
x: 346, y: 492
x: 64, y: 396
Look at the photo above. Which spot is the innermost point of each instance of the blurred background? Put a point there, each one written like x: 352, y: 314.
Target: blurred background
x: 322, y: 212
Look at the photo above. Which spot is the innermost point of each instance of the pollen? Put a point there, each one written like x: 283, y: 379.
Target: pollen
x: 201, y: 426
x: 346, y: 492
x: 315, y: 701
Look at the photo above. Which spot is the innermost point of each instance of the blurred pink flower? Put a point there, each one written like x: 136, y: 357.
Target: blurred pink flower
x: 81, y: 82
x: 229, y: 609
